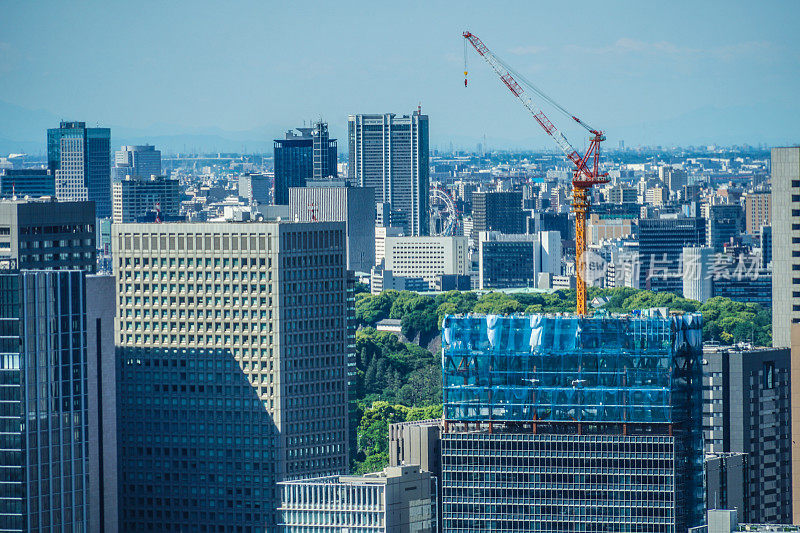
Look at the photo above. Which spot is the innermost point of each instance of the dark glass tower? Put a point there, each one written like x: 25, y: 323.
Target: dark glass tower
x: 303, y: 156
x: 80, y: 159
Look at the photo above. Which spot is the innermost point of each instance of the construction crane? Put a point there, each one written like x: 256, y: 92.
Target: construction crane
x: 586, y: 173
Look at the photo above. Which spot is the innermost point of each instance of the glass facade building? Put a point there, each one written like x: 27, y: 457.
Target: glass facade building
x: 43, y: 402
x: 80, y: 159
x: 298, y: 158
x: 563, y: 423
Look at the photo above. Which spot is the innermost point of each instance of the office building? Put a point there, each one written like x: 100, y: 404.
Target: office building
x: 389, y: 153
x: 233, y: 342
x: 297, y: 162
x: 746, y: 410
x: 398, y: 499
x: 426, y: 257
x: 20, y: 183
x: 757, y: 211
x: 603, y: 228
x: 101, y: 390
x: 254, y: 188
x: 48, y: 235
x: 497, y: 211
x: 726, y: 481
x: 80, y: 159
x: 622, y: 194
x: 513, y: 261
x: 137, y: 162
x: 381, y: 232
x: 727, y: 521
x: 539, y: 412
x: 352, y: 205
x: 697, y: 276
x: 786, y: 260
x: 43, y: 391
x: 661, y: 242
x: 385, y: 280
x: 725, y: 224
x: 674, y: 178
x: 151, y: 199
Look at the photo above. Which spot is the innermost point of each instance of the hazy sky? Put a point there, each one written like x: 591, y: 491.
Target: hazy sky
x: 647, y: 72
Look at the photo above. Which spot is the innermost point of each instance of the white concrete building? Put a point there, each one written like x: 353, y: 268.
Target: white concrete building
x: 426, y: 257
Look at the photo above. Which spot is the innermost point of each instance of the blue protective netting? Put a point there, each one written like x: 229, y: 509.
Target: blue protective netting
x: 568, y: 369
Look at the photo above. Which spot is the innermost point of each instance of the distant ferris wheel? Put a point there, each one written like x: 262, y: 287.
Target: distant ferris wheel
x: 443, y: 207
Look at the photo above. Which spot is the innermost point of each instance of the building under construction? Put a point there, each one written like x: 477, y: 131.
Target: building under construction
x: 565, y: 423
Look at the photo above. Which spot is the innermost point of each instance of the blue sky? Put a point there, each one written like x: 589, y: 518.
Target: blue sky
x: 646, y: 72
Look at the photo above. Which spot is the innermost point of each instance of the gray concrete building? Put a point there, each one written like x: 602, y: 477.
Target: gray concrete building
x: 352, y: 205
x: 254, y: 188
x: 233, y: 342
x: 726, y: 480
x: 150, y: 199
x: 514, y: 261
x: 746, y: 410
x: 48, y: 235
x: 137, y: 162
x: 399, y: 499
x: 389, y: 153
x: 101, y: 304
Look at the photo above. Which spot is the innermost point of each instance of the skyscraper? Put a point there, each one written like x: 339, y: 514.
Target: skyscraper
x: 43, y: 397
x: 725, y: 223
x: 390, y: 154
x: 786, y: 283
x: 137, y: 162
x: 236, y: 336
x: 80, y: 159
x: 497, y: 211
x: 661, y: 242
x: 352, y: 205
x: 26, y: 182
x: 555, y: 423
x: 746, y: 410
x: 301, y: 157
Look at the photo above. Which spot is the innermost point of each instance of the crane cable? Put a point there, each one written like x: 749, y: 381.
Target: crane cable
x: 465, y: 62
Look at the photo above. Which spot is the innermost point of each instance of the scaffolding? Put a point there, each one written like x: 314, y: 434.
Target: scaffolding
x: 549, y: 368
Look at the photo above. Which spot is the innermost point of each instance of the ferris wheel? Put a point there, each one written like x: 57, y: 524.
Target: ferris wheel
x: 444, y: 209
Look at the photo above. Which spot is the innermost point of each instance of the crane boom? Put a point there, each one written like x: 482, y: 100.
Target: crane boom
x: 584, y: 175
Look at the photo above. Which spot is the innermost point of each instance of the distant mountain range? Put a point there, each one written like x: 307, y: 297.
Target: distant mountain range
x: 24, y: 130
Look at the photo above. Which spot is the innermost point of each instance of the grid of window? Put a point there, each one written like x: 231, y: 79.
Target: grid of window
x: 527, y: 482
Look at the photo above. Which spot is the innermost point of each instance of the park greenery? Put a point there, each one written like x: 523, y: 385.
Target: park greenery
x: 399, y: 379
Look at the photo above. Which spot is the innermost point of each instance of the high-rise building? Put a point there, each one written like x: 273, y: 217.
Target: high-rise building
x: 398, y: 499
x: 746, y: 410
x: 137, y: 162
x: 556, y: 423
x: 80, y: 159
x: 101, y: 372
x: 765, y: 241
x: 389, y: 153
x: 155, y: 198
x: 661, y: 242
x: 726, y: 484
x: 301, y: 157
x: 27, y: 182
x: 426, y: 257
x: 674, y: 178
x: 352, y: 205
x: 254, y: 188
x: 48, y: 235
x: 513, y: 261
x: 497, y: 211
x: 43, y: 396
x: 381, y: 232
x: 725, y: 224
x: 233, y: 342
x: 757, y: 211
x: 786, y: 262
x: 697, y: 275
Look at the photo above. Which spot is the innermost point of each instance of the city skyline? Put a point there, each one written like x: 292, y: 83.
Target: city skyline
x: 210, y: 77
